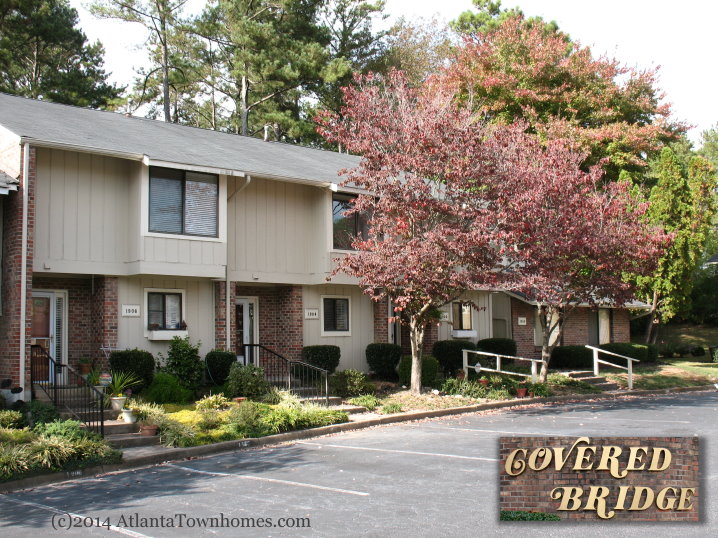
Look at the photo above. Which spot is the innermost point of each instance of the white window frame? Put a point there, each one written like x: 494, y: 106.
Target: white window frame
x: 221, y: 209
x: 462, y: 333
x: 321, y: 315
x: 163, y: 334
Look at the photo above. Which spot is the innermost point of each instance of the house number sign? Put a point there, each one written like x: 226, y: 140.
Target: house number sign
x: 130, y: 311
x: 311, y: 313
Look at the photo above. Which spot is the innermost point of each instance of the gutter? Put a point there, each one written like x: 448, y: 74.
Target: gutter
x: 23, y: 269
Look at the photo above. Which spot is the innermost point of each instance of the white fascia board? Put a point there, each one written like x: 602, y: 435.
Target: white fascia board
x: 147, y: 161
x: 50, y: 144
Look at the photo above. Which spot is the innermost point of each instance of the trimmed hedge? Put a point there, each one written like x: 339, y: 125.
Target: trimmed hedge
x: 247, y: 381
x: 350, y: 383
x: 449, y: 354
x: 139, y: 362
x: 518, y: 515
x: 429, y: 369
x: 166, y: 388
x: 642, y: 352
x: 502, y: 346
x: 571, y: 357
x: 218, y: 363
x: 383, y: 360
x: 326, y: 357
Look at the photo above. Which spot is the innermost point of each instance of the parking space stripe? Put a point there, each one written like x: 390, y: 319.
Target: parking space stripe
x: 273, y: 480
x: 477, y: 430
x: 394, y: 451
x: 120, y: 530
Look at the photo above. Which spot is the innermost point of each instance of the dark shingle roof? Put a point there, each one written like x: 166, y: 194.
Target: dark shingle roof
x: 41, y: 121
x: 7, y: 183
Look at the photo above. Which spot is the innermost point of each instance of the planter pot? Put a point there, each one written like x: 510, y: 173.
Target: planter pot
x: 118, y: 402
x: 521, y: 392
x: 129, y: 416
x: 239, y: 399
x: 84, y: 368
x: 532, y: 395
x: 148, y: 429
x: 484, y: 381
x: 460, y: 375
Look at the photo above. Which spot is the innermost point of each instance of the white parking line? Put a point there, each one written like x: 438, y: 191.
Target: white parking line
x: 561, y: 417
x: 273, y: 480
x: 477, y: 430
x: 121, y: 530
x: 393, y: 451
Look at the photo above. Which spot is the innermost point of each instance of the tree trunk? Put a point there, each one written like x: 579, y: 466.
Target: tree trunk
x: 547, y: 337
x: 652, y: 328
x: 165, y: 71
x: 243, y: 106
x: 416, y: 335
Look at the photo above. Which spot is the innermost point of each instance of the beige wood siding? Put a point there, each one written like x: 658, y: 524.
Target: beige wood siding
x: 500, y: 315
x: 480, y: 319
x: 353, y: 348
x: 198, y: 310
x: 81, y: 212
x: 276, y: 232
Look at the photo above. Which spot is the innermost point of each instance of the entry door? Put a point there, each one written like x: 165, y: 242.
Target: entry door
x: 245, y: 329
x: 49, y: 328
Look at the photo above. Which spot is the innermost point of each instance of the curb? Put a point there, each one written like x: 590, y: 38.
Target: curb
x: 175, y: 454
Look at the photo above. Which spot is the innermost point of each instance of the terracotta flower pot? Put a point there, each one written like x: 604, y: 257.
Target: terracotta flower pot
x: 148, y: 429
x: 460, y: 375
x: 84, y: 368
x: 239, y: 399
x: 521, y: 392
x: 484, y: 381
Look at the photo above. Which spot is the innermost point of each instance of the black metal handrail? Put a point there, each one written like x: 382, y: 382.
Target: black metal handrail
x: 305, y: 380
x: 67, y: 389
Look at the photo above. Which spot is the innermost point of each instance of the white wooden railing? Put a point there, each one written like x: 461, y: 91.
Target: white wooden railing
x: 596, y: 362
x: 478, y: 368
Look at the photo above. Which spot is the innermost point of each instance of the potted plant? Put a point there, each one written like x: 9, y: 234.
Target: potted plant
x: 521, y: 391
x: 484, y: 381
x: 121, y: 382
x: 128, y: 415
x: 460, y: 375
x: 85, y: 365
x: 93, y: 380
x: 147, y: 420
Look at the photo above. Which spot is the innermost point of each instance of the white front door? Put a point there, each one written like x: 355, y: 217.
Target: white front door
x: 49, y: 327
x: 246, y: 327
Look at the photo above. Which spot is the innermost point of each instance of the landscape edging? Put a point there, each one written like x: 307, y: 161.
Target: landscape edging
x: 174, y: 454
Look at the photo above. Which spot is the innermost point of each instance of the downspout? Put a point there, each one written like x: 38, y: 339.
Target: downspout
x: 23, y: 269
x: 228, y: 307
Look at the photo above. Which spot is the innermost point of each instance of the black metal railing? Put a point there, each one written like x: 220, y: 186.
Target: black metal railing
x: 305, y: 380
x: 67, y: 390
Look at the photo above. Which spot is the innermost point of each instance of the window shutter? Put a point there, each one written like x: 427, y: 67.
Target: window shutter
x: 165, y: 205
x: 200, y: 204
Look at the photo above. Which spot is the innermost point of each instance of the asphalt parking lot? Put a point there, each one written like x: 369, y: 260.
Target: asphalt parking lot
x: 430, y: 478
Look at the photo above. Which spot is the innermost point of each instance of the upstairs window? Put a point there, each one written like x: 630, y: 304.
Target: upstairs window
x: 461, y: 316
x: 183, y: 202
x: 347, y: 227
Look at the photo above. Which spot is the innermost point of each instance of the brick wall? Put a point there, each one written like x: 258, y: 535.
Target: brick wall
x: 381, y: 321
x: 12, y: 293
x: 431, y: 335
x: 620, y: 325
x: 529, y: 491
x: 524, y: 334
x: 281, y: 320
x: 575, y: 329
x: 220, y: 313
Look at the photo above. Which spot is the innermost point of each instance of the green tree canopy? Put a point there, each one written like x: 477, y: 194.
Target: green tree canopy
x: 44, y: 55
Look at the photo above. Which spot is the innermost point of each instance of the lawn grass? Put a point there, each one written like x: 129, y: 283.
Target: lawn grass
x: 685, y: 334
x: 670, y: 373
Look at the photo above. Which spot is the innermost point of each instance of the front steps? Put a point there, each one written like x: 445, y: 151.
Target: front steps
x: 120, y: 434
x: 599, y: 382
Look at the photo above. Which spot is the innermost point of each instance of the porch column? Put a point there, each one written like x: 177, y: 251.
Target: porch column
x: 221, y: 323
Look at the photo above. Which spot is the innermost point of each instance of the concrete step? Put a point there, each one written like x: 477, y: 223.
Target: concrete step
x: 348, y: 408
x: 131, y: 440
x: 608, y: 385
x: 333, y: 400
x: 579, y: 374
x: 115, y: 427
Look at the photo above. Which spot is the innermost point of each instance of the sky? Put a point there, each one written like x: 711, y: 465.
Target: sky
x: 679, y: 37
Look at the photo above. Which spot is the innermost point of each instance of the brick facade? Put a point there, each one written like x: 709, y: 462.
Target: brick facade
x: 281, y: 321
x: 220, y: 313
x: 620, y: 326
x: 575, y: 329
x: 530, y: 490
x: 12, y: 291
x: 524, y: 334
x: 431, y: 335
x: 381, y: 321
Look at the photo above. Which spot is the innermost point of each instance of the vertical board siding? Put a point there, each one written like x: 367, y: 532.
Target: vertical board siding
x: 198, y: 309
x: 480, y: 319
x: 274, y: 228
x: 353, y: 348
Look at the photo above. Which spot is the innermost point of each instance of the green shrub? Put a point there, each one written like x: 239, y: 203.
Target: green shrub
x: 652, y: 354
x: 14, y: 461
x: 184, y: 363
x: 326, y: 357
x: 698, y: 351
x: 571, y: 357
x: 349, y: 383
x: 383, y: 360
x: 218, y: 363
x: 176, y: 434
x: 449, y: 354
x: 668, y: 350
x: 137, y: 361
x: 15, y: 436
x: 71, y: 430
x: 635, y: 351
x: 498, y: 394
x: 391, y: 408
x: 464, y: 387
x: 714, y: 355
x: 517, y: 515
x: 209, y: 419
x: 51, y: 452
x: 41, y: 412
x: 247, y: 381
x: 213, y: 401
x: 166, y: 388
x: 575, y: 385
x: 539, y: 389
x: 11, y: 419
x: 502, y: 346
x: 368, y: 400
x: 273, y: 396
x: 429, y: 370
x: 246, y: 420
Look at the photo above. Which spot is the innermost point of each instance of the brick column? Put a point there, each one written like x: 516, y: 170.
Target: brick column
x: 524, y: 334
x: 105, y: 313
x: 290, y: 318
x: 575, y: 329
x: 381, y: 321
x: 620, y: 325
x: 11, y: 324
x: 220, y: 315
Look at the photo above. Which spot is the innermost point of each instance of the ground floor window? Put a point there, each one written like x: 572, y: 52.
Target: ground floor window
x: 165, y: 310
x: 336, y: 318
x: 461, y: 316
